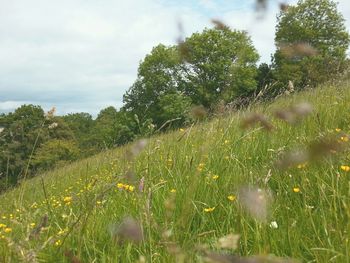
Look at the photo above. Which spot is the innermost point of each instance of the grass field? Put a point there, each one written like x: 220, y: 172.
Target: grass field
x: 188, y: 195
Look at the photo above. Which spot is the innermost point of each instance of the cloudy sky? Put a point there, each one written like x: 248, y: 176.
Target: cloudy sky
x: 82, y: 55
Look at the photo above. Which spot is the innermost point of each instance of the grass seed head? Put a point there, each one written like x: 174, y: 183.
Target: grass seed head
x: 219, y: 24
x: 71, y: 257
x: 138, y: 147
x: 284, y: 7
x: 297, y: 50
x: 292, y: 158
x: 51, y: 113
x: 128, y: 230
x: 256, y: 118
x: 324, y: 147
x: 198, y: 112
x: 256, y: 201
x: 37, y: 230
x: 229, y: 241
x: 294, y: 113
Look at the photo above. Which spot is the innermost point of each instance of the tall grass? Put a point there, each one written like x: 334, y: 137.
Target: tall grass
x: 185, y: 190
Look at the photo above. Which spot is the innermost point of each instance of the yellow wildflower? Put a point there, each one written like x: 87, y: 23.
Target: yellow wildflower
x: 67, y: 200
x: 296, y: 189
x: 2, y: 225
x: 8, y: 230
x: 182, y: 130
x: 209, y: 209
x: 301, y: 165
x: 337, y: 130
x: 62, y: 231
x: 226, y: 141
x: 344, y: 138
x: 200, y: 167
x: 126, y: 187
x: 345, y: 168
x: 231, y: 198
x: 58, y: 242
x: 32, y: 224
x: 173, y: 190
x: 215, y: 177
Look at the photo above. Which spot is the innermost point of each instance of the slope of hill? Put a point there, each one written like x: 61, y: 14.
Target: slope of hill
x: 188, y: 195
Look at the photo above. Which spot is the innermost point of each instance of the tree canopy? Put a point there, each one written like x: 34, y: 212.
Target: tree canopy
x: 311, y: 41
x: 219, y: 65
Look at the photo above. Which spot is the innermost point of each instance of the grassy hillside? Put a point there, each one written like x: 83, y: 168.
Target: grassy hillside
x: 198, y: 184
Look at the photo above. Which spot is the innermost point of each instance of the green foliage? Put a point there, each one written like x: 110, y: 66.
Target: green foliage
x: 264, y: 76
x: 174, y: 107
x: 81, y: 124
x: 220, y: 65
x: 21, y: 132
x: 314, y: 35
x: 112, y: 128
x: 55, y: 152
x: 158, y: 75
x: 24, y: 131
x: 104, y: 128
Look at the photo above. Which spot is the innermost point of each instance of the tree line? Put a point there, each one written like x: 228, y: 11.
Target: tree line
x: 215, y: 67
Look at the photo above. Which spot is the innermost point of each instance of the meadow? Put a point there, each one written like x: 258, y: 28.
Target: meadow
x: 276, y: 191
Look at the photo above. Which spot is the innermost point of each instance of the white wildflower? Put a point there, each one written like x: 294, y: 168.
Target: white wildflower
x: 274, y: 225
x: 53, y: 125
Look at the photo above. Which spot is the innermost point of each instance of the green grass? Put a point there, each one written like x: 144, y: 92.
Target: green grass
x: 313, y: 224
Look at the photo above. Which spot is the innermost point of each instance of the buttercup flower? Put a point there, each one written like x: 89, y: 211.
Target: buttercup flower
x: 209, y: 209
x: 231, y: 198
x: 345, y: 168
x: 296, y: 189
x: 8, y: 230
x: 67, y: 200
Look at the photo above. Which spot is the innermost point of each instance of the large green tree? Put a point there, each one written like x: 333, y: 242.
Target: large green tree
x: 112, y: 128
x: 311, y: 41
x: 220, y: 65
x: 214, y: 65
x: 158, y: 75
x: 55, y: 152
x: 24, y: 131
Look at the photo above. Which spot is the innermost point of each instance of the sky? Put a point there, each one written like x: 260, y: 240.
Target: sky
x: 82, y: 55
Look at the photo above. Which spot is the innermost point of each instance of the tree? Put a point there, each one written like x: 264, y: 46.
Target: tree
x: 158, y: 74
x: 24, y: 131
x: 81, y: 124
x: 54, y: 152
x: 174, y: 107
x: 105, y: 132
x: 220, y: 65
x: 311, y: 41
x: 112, y: 128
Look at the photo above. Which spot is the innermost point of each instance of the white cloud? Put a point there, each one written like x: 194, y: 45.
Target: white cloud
x: 10, y: 105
